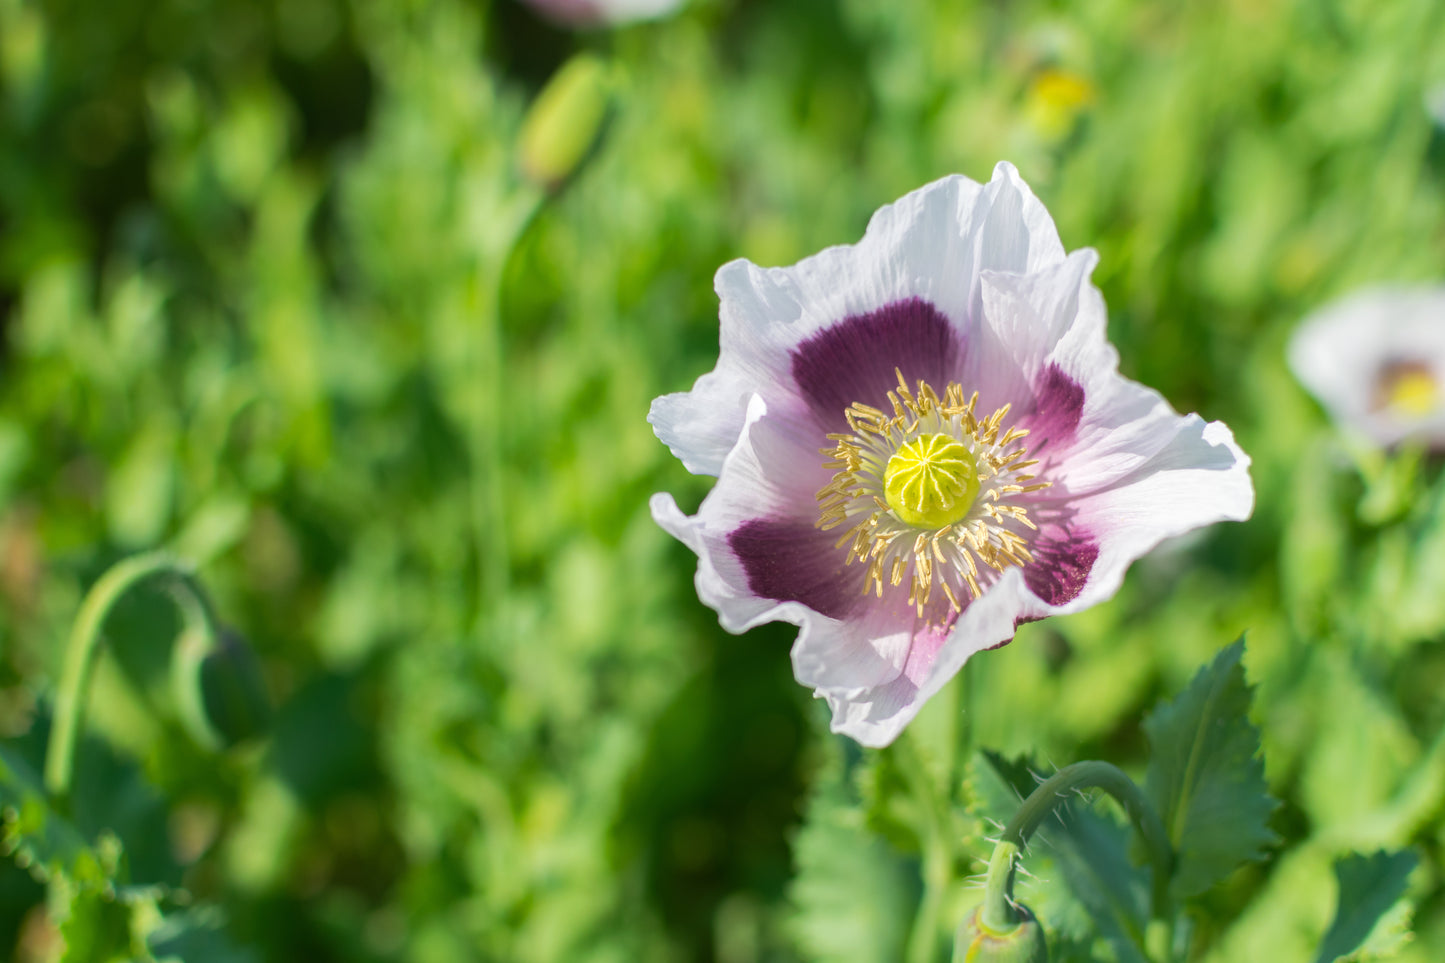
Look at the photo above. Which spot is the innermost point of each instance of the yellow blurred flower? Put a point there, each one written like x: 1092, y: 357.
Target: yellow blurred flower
x: 1055, y: 100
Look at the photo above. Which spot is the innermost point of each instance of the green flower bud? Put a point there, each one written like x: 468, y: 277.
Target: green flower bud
x: 235, y: 693
x: 565, y: 122
x: 219, y: 688
x: 977, y: 942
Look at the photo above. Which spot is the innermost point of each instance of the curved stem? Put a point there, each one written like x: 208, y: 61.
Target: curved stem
x: 998, y: 912
x: 1043, y: 800
x: 85, y: 636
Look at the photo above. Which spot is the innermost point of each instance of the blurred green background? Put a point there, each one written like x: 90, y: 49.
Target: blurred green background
x: 276, y: 296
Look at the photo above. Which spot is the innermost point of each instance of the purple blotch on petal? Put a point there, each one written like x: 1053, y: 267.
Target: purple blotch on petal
x: 1062, y: 562
x: 792, y: 561
x: 1058, y: 406
x: 854, y: 360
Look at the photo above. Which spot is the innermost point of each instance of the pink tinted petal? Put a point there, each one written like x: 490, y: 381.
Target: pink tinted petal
x: 860, y: 652
x: 721, y: 582
x: 875, y: 715
x: 856, y: 654
x: 1123, y: 424
x: 1089, y: 425
x: 928, y: 641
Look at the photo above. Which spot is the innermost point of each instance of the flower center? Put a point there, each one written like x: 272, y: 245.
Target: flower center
x: 932, y: 481
x: 932, y: 492
x: 1412, y: 391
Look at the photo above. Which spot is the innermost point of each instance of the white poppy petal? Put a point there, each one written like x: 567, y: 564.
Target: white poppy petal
x: 1199, y: 477
x: 1018, y: 234
x: 767, y: 313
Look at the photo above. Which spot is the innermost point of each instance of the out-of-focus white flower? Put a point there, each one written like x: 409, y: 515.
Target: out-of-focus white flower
x: 1376, y: 361
x: 594, y: 13
x: 921, y: 441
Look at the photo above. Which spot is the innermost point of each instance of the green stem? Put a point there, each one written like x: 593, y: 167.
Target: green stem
x: 922, y: 941
x: 1043, y: 801
x: 489, y: 503
x: 998, y: 913
x: 85, y: 636
x: 938, y: 851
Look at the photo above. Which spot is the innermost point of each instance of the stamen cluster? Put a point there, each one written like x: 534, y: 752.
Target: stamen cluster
x: 990, y: 534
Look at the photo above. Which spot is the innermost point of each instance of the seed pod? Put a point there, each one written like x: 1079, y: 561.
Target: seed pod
x: 977, y: 942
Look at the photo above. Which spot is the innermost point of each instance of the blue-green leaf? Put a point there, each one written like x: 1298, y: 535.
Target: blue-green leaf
x: 1371, y: 888
x: 1092, y: 853
x: 1205, y: 776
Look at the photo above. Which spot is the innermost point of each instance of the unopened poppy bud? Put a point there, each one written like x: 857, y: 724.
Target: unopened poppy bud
x: 221, y: 693
x: 235, y: 693
x: 565, y: 121
x: 977, y: 942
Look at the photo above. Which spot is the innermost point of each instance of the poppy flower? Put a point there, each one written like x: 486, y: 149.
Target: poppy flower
x: 1376, y: 362
x: 923, y: 441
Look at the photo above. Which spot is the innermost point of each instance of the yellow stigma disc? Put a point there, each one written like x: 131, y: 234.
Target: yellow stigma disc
x: 1413, y: 392
x: 931, y: 481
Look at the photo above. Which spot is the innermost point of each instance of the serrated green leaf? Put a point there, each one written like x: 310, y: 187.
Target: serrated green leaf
x: 997, y: 786
x: 854, y: 896
x: 100, y: 913
x: 113, y: 809
x: 33, y: 834
x: 95, y: 928
x: 1092, y: 853
x: 1390, y: 935
x: 1205, y: 776
x: 1371, y: 888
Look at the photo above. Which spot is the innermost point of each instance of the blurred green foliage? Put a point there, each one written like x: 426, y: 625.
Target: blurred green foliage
x: 275, y: 295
